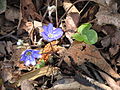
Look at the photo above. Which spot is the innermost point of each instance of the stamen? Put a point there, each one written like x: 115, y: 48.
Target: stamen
x: 50, y: 35
x: 28, y: 53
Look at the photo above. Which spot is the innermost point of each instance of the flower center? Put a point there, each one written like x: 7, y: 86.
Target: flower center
x: 28, y: 53
x: 50, y: 35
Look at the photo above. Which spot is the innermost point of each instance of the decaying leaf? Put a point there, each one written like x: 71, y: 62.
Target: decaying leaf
x: 12, y: 14
x: 110, y: 81
x: 108, y: 13
x: 6, y: 74
x: 28, y: 11
x: 28, y: 26
x: 37, y: 24
x: 71, y: 24
x: 9, y: 47
x: 48, y: 71
x: 72, y: 86
x: 49, y: 49
x: 16, y: 56
x: 81, y: 52
x: 71, y: 20
x: 26, y: 85
x: 67, y: 4
x: 2, y: 48
x: 113, y: 41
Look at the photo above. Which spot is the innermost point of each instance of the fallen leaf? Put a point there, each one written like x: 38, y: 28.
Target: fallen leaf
x: 49, y: 49
x: 9, y: 47
x: 81, y: 52
x: 105, y: 41
x: 72, y: 19
x: 6, y: 74
x: 26, y: 85
x: 71, y: 22
x: 72, y: 86
x: 28, y: 26
x: 48, y: 71
x: 2, y: 48
x: 12, y: 14
x: 111, y: 82
x: 67, y: 4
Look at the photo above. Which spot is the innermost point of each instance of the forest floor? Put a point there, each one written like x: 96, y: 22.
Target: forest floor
x: 27, y: 26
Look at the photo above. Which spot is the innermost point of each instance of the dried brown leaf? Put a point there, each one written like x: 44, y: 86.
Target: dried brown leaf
x: 81, y: 52
x: 71, y: 20
x: 111, y: 82
x: 26, y: 85
x: 12, y: 14
x: 49, y: 49
x: 2, y: 48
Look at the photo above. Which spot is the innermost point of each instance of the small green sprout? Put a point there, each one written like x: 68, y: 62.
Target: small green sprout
x: 42, y: 64
x: 85, y: 34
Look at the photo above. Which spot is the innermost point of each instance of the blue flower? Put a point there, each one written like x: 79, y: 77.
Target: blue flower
x: 49, y: 34
x: 29, y: 56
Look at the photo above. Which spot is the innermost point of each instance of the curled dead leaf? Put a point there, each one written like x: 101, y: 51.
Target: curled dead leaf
x: 49, y: 49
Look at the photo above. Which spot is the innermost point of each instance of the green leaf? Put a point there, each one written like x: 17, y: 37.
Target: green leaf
x: 84, y: 27
x: 78, y: 37
x: 42, y: 64
x: 2, y: 6
x: 86, y: 34
x: 91, y: 36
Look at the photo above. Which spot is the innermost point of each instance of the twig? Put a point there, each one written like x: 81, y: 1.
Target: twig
x: 105, y: 87
x: 44, y: 15
x: 56, y: 15
x: 9, y: 35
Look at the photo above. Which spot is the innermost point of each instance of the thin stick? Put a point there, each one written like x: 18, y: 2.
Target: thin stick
x: 56, y: 15
x: 45, y: 11
x: 44, y: 15
x: 51, y: 47
x: 9, y: 35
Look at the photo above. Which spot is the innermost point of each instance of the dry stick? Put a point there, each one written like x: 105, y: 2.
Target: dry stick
x: 45, y: 13
x: 56, y: 15
x: 51, y: 47
x: 10, y: 35
x: 103, y: 86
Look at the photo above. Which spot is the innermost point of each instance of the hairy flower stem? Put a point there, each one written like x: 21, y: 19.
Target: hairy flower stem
x: 51, y: 47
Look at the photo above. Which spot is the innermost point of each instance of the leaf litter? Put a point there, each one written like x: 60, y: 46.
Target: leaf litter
x: 68, y: 64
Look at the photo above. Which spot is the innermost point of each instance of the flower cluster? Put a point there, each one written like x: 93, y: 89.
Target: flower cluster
x: 29, y: 56
x: 49, y: 34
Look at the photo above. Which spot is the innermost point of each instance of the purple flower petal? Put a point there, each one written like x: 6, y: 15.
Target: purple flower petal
x: 57, y: 33
x: 50, y: 27
x: 36, y: 55
x: 36, y: 51
x: 45, y: 29
x: 50, y: 39
x: 23, y: 58
x: 33, y: 62
x: 29, y: 55
x: 30, y: 58
x: 45, y: 37
x: 49, y: 34
x: 27, y: 63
